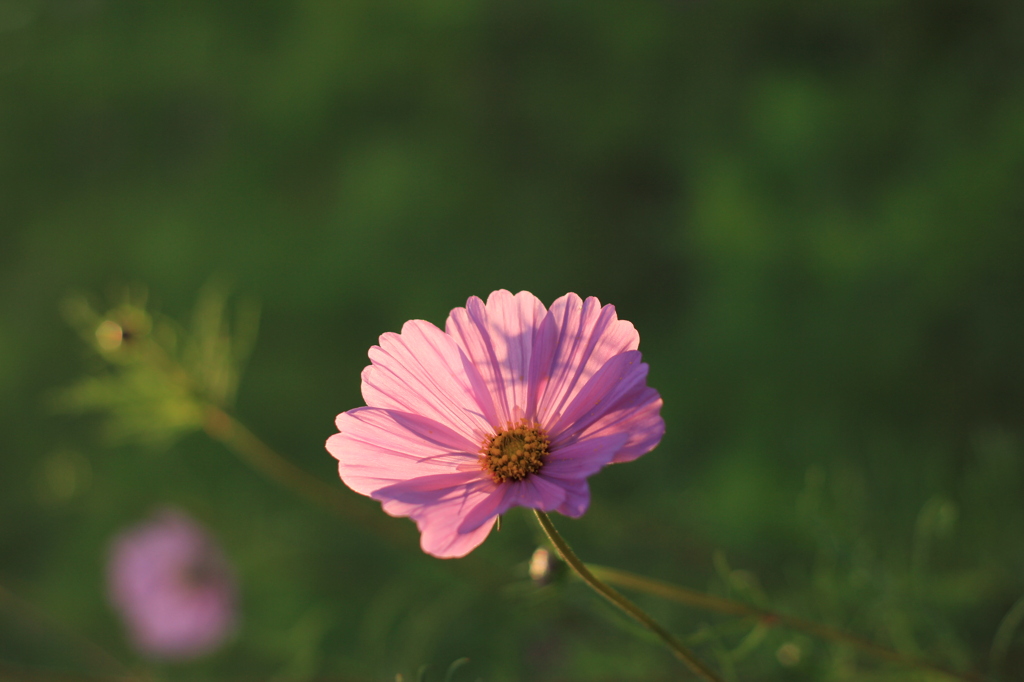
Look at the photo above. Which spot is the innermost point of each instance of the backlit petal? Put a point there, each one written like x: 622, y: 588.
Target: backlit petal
x: 577, y: 498
x: 377, y: 448
x: 497, y: 337
x: 619, y: 377
x: 439, y: 505
x: 637, y: 414
x: 583, y: 457
x: 584, y: 336
x: 422, y: 371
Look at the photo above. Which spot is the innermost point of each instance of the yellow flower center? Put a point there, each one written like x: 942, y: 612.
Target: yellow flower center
x: 514, y: 453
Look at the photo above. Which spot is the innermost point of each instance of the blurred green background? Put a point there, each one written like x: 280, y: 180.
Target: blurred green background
x: 812, y: 212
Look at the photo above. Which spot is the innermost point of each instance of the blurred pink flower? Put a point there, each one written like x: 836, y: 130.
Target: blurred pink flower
x: 512, y: 405
x: 172, y: 586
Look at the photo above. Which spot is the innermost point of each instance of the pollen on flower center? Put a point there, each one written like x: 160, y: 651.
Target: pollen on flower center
x: 514, y: 453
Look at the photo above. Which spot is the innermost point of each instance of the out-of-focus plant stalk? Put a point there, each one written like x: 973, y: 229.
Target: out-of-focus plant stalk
x: 234, y: 435
x: 89, y: 651
x: 231, y: 433
x: 681, y: 651
x: 165, y: 382
x: 17, y: 673
x: 1004, y: 634
x: 709, y: 602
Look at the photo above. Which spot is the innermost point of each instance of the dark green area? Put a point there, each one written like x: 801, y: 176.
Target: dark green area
x: 812, y: 212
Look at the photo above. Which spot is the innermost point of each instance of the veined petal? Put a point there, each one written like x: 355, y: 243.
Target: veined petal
x: 577, y: 339
x: 422, y: 371
x: 408, y: 498
x: 498, y: 338
x: 637, y: 413
x: 439, y: 505
x: 442, y: 543
x: 377, y: 448
x: 616, y: 379
x: 488, y: 510
x: 584, y: 457
x: 568, y: 468
x: 577, y: 498
x: 534, y: 492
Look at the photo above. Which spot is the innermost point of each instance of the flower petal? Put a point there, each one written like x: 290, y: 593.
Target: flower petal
x: 443, y: 544
x: 615, y: 400
x: 577, y: 498
x: 534, y: 492
x: 498, y: 339
x: 576, y: 339
x: 617, y: 378
x: 638, y: 414
x: 411, y: 497
x: 422, y: 371
x: 440, y: 505
x: 584, y: 457
x: 568, y: 468
x: 377, y: 448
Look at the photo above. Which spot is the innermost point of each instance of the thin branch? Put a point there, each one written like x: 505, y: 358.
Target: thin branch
x: 231, y: 433
x: 709, y: 602
x: 88, y: 650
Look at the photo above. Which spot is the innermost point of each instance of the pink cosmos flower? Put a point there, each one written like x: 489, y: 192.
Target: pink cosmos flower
x: 172, y: 586
x: 511, y: 405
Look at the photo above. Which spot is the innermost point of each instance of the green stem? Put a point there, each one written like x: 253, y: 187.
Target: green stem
x: 721, y: 605
x: 234, y: 435
x: 10, y: 672
x: 87, y: 649
x: 1004, y: 634
x: 231, y: 433
x: 678, y: 648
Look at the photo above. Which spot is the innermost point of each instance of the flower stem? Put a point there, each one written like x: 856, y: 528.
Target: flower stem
x: 35, y: 619
x: 721, y: 605
x: 234, y: 435
x: 678, y: 648
x: 231, y: 433
x: 1004, y: 634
